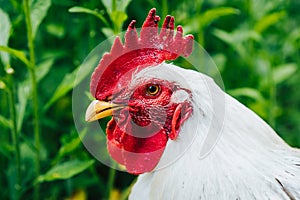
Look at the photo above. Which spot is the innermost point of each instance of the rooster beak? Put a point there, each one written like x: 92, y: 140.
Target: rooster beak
x: 100, y: 109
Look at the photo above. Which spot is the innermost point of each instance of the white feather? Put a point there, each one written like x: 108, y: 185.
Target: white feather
x: 224, y: 150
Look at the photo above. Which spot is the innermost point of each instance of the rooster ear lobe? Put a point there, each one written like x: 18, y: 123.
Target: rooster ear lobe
x: 181, y: 113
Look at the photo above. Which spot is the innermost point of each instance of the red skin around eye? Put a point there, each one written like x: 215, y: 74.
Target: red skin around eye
x: 137, y: 136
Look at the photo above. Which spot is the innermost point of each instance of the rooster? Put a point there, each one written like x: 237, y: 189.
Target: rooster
x: 176, y: 128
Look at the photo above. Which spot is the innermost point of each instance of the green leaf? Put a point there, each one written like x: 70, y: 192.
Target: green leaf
x: 201, y: 21
x: 38, y: 11
x: 220, y: 60
x: 247, y: 92
x: 5, y: 26
x: 268, y: 21
x: 224, y: 36
x: 23, y: 96
x: 5, y: 122
x: 260, y: 108
x: 118, y: 17
x: 72, y: 79
x: 108, y: 32
x: 116, y: 11
x: 115, y: 5
x: 24, y: 89
x: 56, y: 29
x: 6, y: 149
x: 237, y: 39
x: 78, y: 9
x: 18, y: 54
x: 213, y: 14
x: 43, y: 68
x: 65, y: 170
x: 64, y: 87
x: 122, y: 4
x: 108, y: 5
x: 70, y: 146
x: 283, y: 72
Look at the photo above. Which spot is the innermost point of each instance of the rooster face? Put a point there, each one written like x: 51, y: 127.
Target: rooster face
x: 147, y: 110
x: 146, y: 113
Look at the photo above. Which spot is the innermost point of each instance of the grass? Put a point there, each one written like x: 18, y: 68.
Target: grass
x: 36, y: 116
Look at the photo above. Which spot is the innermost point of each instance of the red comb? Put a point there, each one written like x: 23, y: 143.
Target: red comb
x: 148, y: 50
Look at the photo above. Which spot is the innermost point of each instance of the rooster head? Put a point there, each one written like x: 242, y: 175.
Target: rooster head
x: 146, y: 111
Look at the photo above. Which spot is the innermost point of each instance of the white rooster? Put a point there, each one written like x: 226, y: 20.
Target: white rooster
x: 184, y: 135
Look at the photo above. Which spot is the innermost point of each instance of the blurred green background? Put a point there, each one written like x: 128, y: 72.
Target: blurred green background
x: 255, y: 44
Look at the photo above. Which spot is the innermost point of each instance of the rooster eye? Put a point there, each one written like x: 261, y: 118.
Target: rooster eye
x: 152, y: 89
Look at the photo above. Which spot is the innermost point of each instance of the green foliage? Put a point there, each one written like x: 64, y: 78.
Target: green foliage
x: 5, y: 122
x: 254, y: 43
x: 65, y: 170
x: 17, y: 53
x: 247, y: 92
x: 268, y: 21
x: 78, y: 9
x: 38, y: 12
x: 201, y: 21
x: 116, y: 10
x: 283, y: 72
x: 4, y: 32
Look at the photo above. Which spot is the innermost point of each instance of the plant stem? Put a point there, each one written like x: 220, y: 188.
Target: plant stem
x: 36, y: 129
x: 200, y: 35
x: 114, y: 8
x: 34, y: 94
x: 127, y: 191
x: 15, y: 136
x: 114, y: 5
x: 164, y: 7
x: 273, y: 102
x: 111, y: 180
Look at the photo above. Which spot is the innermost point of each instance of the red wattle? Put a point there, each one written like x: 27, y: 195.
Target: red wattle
x: 137, y: 154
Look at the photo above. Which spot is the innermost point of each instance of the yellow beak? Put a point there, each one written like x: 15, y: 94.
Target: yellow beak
x: 100, y: 109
